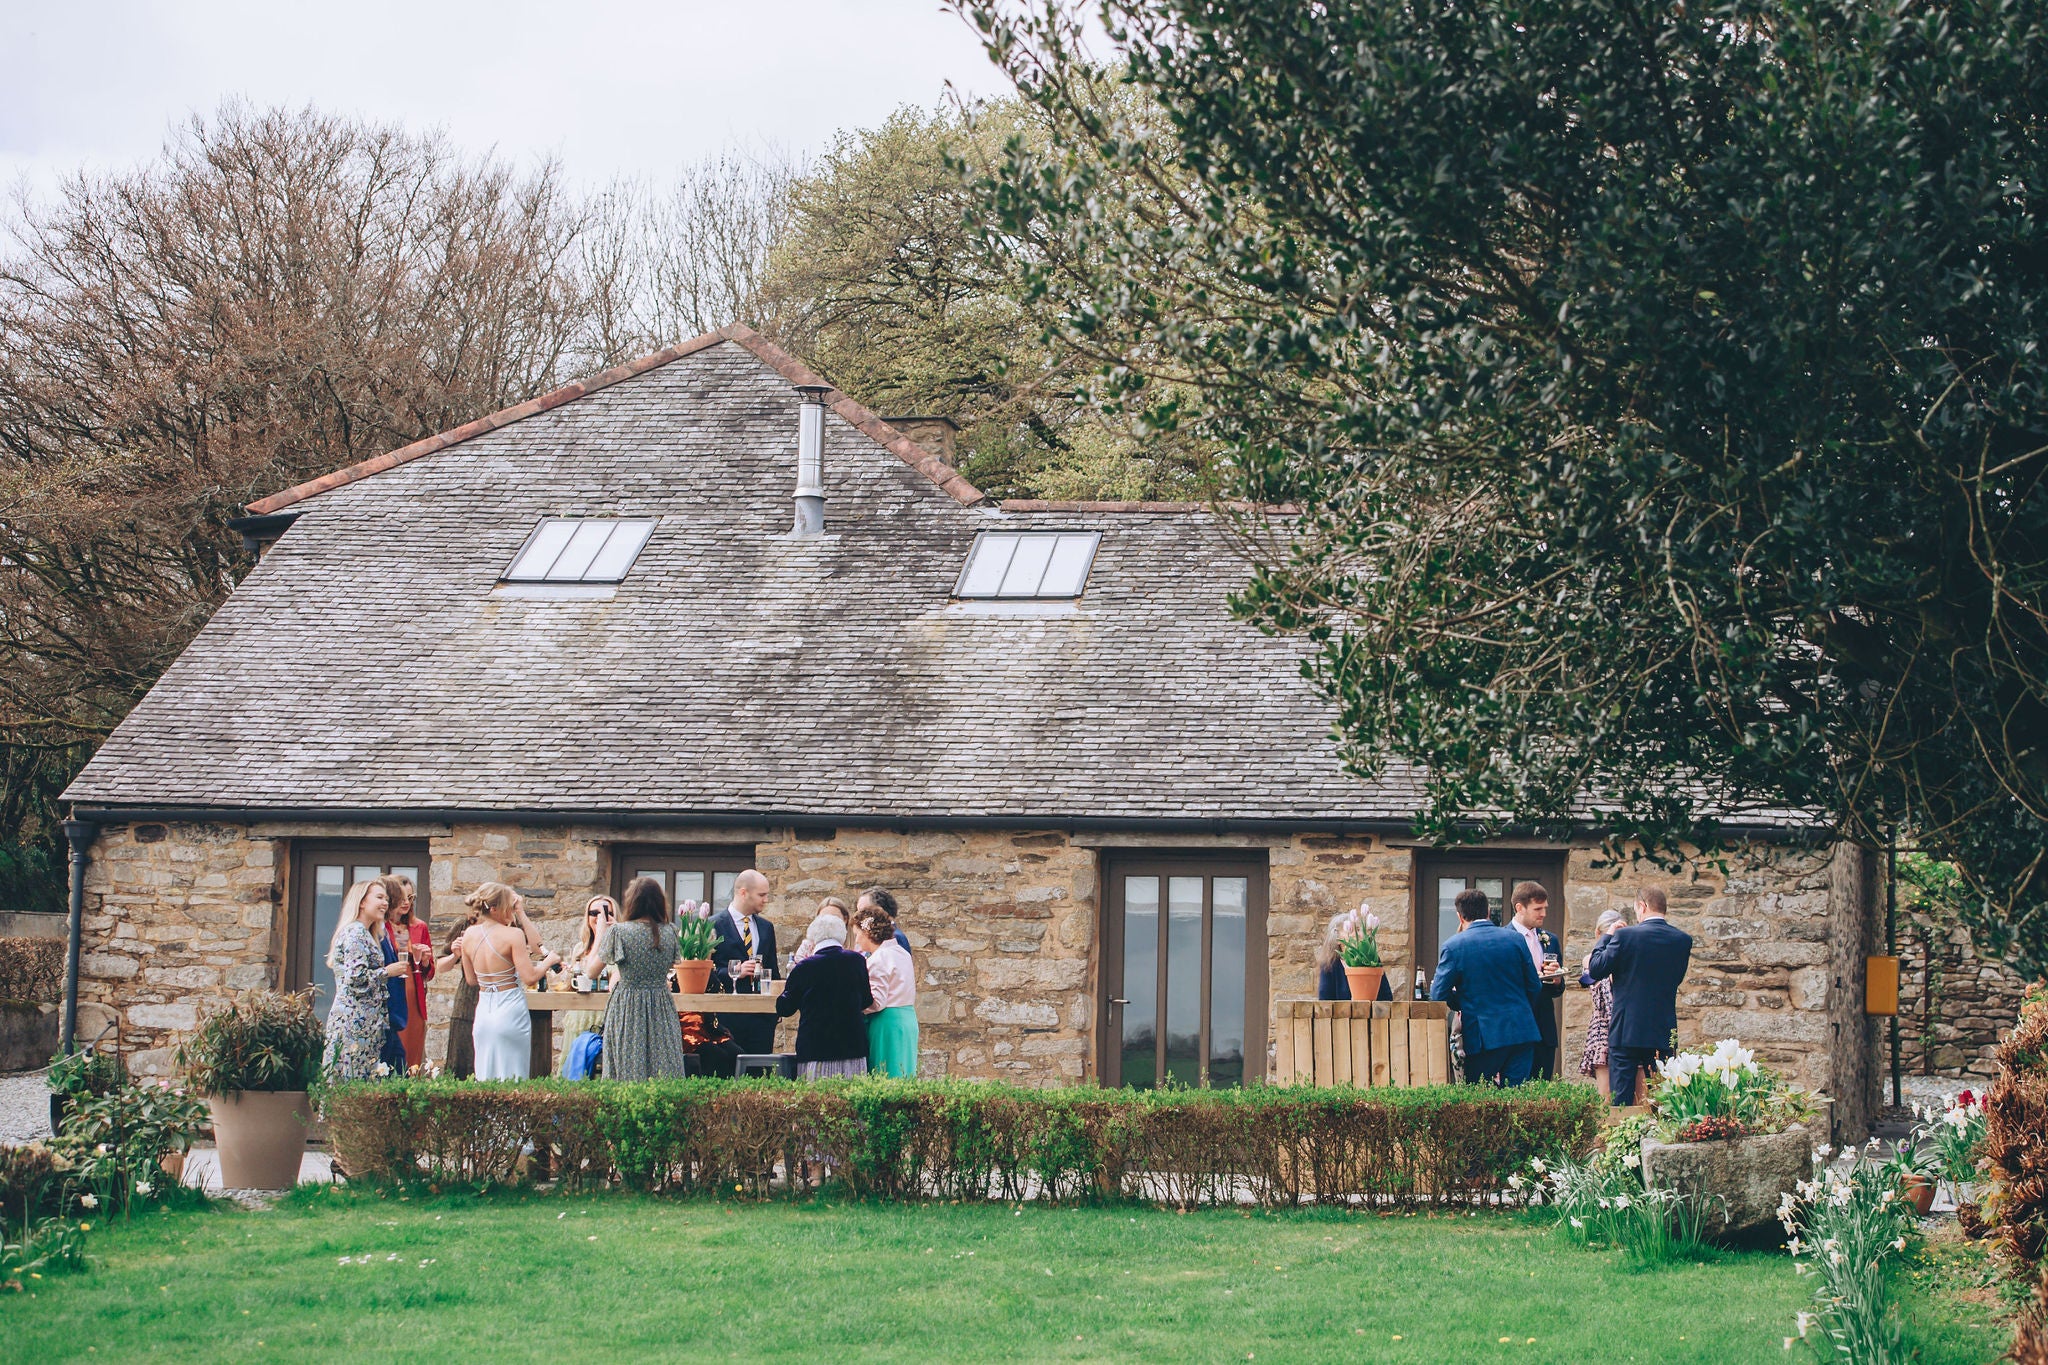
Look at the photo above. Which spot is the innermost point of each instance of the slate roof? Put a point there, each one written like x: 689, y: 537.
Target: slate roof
x: 370, y: 661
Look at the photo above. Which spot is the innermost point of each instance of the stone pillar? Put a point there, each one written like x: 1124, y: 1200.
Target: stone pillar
x: 1855, y: 931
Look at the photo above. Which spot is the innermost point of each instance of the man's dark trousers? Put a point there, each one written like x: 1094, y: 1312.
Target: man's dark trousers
x: 1623, y: 1064
x: 1500, y: 1065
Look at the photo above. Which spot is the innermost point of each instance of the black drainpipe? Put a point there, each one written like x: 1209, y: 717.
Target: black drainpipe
x: 79, y: 834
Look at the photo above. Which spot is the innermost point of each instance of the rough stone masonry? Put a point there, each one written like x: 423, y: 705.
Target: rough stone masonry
x: 1004, y: 926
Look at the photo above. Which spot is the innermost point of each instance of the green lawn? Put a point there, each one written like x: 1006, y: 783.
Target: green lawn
x: 331, y: 1275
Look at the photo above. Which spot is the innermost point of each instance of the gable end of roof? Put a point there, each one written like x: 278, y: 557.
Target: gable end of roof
x: 788, y: 366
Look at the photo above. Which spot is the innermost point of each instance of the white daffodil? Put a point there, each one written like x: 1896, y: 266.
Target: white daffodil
x: 143, y: 1187
x: 1632, y: 1159
x: 1578, y: 1224
x: 1898, y: 1244
x: 91, y: 1201
x: 1536, y: 1165
x: 1515, y: 1182
x: 1621, y: 1201
x: 1803, y: 1321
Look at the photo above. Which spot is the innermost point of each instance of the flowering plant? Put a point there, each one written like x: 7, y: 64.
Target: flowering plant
x: 1843, y: 1225
x: 1957, y: 1133
x: 1358, y: 938
x: 695, y: 937
x: 1725, y: 1084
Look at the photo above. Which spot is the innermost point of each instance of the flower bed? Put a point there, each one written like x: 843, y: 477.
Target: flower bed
x: 968, y: 1140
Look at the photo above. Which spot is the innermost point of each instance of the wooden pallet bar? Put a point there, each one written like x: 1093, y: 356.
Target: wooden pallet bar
x: 1352, y: 1042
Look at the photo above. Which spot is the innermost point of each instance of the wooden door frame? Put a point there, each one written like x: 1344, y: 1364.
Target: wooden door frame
x: 623, y: 855
x: 1255, y: 866
x: 1422, y: 905
x: 299, y: 892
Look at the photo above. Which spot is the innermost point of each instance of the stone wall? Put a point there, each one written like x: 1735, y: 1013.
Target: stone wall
x: 1954, y: 1006
x: 177, y: 919
x: 1760, y: 951
x: 1004, y: 925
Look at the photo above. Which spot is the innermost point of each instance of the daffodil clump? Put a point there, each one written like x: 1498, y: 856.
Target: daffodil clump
x: 1843, y: 1227
x: 1727, y: 1084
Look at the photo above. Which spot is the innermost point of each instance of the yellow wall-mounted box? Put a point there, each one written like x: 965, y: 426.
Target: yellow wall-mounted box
x: 1881, y: 985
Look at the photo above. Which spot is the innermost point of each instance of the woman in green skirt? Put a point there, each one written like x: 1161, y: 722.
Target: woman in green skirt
x: 892, y: 1019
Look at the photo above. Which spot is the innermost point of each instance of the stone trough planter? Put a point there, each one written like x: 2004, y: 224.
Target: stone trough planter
x: 1742, y: 1178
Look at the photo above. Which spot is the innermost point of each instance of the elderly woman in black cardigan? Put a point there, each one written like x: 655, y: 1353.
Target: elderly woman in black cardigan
x: 828, y: 992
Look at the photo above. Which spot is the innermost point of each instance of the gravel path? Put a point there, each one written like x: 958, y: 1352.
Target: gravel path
x: 24, y: 1107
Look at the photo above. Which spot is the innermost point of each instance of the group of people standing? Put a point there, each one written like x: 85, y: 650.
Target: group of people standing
x: 1502, y: 981
x: 382, y: 959
x: 850, y: 984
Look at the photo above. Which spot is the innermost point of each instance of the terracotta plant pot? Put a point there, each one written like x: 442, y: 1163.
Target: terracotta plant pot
x: 1919, y: 1192
x: 693, y: 975
x: 173, y: 1164
x: 262, y: 1137
x: 1365, y: 981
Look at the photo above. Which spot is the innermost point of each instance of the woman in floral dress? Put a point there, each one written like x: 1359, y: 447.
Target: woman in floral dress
x: 1593, y: 1061
x: 359, y: 1018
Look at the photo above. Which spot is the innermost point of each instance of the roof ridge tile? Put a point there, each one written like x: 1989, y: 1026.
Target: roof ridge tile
x: 782, y: 362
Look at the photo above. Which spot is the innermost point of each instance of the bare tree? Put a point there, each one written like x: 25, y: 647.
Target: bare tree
x: 669, y: 264
x: 280, y: 295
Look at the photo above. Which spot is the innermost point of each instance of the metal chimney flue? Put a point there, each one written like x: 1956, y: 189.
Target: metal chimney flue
x: 810, y: 460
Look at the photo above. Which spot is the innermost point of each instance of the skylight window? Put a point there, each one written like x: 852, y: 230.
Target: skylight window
x: 1025, y: 564
x: 576, y: 550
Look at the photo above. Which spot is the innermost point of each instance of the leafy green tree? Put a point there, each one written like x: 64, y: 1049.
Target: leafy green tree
x: 1660, y: 387
x: 884, y: 281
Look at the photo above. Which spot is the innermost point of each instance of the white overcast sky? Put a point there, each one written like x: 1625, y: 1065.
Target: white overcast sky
x: 611, y: 89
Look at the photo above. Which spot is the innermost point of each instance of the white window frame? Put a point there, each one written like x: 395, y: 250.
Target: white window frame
x: 983, y: 538
x: 576, y: 524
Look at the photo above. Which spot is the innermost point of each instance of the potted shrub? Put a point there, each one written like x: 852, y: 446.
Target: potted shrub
x: 1916, y: 1169
x: 694, y: 941
x: 1359, y: 946
x: 255, y: 1061
x: 1730, y: 1133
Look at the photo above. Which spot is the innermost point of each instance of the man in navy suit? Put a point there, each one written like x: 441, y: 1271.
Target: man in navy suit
x: 1532, y: 908
x: 1485, y: 974
x: 746, y: 937
x: 1647, y: 961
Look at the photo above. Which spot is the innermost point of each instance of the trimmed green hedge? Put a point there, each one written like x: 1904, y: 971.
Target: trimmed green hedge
x: 966, y: 1139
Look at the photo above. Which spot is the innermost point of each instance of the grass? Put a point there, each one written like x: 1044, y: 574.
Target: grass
x: 513, y: 1277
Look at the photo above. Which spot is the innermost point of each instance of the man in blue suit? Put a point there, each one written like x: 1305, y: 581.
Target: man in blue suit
x: 1486, y: 975
x: 1647, y: 960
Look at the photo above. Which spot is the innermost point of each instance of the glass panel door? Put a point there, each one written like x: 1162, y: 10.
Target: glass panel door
x: 1443, y: 877
x: 1140, y: 1042
x: 321, y: 878
x: 1184, y: 958
x: 685, y: 874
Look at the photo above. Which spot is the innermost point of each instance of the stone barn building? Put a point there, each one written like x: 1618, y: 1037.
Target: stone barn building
x: 578, y: 640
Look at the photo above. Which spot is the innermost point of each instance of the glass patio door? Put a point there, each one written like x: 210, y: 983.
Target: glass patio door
x: 1184, y: 972
x: 323, y: 875
x: 1443, y: 877
x: 685, y: 875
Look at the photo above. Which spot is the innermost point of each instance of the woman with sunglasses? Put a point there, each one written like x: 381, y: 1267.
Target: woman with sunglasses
x: 598, y: 916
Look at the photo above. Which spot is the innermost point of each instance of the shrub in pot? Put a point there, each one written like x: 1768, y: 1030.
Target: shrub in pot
x: 255, y: 1061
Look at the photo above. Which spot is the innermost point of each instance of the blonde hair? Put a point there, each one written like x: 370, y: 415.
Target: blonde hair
x: 490, y: 897
x: 834, y: 903
x: 351, y: 909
